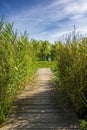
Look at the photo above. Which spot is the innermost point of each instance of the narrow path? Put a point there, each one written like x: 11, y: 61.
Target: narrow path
x: 37, y: 108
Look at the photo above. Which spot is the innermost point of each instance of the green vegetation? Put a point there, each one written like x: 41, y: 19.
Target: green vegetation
x: 20, y: 58
x: 83, y: 124
x: 71, y: 74
x: 46, y: 64
x: 15, y: 65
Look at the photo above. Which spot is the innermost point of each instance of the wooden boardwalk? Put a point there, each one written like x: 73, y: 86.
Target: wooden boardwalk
x: 37, y: 108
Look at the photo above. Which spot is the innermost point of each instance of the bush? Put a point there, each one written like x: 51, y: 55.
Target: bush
x: 15, y: 67
x: 83, y: 124
x: 72, y: 73
x: 19, y: 61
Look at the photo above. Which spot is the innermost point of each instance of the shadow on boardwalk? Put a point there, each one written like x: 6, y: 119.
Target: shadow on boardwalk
x: 37, y: 108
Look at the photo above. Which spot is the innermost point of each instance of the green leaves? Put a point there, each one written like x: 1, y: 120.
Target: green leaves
x: 83, y: 124
x: 72, y: 73
x: 15, y: 65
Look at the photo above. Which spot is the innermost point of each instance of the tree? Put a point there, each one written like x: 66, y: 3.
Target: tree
x: 45, y: 51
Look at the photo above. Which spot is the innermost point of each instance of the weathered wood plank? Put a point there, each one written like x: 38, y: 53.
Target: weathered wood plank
x: 37, y: 108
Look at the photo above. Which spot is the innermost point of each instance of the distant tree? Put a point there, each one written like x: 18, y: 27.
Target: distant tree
x: 36, y: 45
x: 45, y: 51
x: 54, y: 51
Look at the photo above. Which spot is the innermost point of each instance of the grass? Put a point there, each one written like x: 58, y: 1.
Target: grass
x: 45, y: 64
x: 83, y: 124
x: 63, y: 100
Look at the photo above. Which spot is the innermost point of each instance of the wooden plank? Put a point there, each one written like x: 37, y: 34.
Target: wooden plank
x: 38, y: 109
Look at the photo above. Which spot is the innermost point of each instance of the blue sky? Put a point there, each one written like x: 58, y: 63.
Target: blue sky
x: 46, y: 19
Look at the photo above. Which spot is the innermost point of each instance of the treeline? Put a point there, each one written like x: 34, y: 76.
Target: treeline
x: 19, y: 58
x: 44, y: 50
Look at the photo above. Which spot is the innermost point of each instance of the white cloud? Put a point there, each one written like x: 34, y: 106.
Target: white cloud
x: 62, y: 14
x: 76, y: 7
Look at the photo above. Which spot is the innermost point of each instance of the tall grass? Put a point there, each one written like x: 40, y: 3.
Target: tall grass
x: 19, y: 59
x: 72, y: 73
x: 15, y: 65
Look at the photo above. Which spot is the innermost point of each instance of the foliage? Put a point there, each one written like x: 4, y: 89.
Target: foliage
x: 19, y: 59
x: 54, y: 51
x: 16, y: 65
x: 41, y: 50
x: 71, y: 72
x: 83, y: 124
x: 45, y: 64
